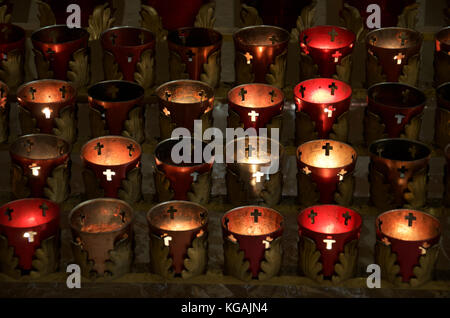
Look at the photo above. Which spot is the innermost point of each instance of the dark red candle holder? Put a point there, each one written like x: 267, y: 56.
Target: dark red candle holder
x: 389, y: 51
x: 255, y: 105
x: 334, y: 232
x: 260, y: 55
x: 103, y: 238
x: 442, y: 117
x: 447, y: 177
x: 252, y: 242
x: 195, y: 54
x: 178, y: 230
x: 116, y: 108
x: 398, y: 173
x: 29, y: 237
x: 55, y: 46
x: 129, y: 54
x: 325, y: 172
x: 4, y: 113
x: 48, y: 106
x: 184, y: 180
x: 411, y: 239
x: 40, y: 167
x: 442, y: 56
x: 393, y: 110
x: 247, y: 178
x: 181, y: 102
x: 12, y: 55
x: 112, y: 168
x: 327, y: 46
x: 322, y: 107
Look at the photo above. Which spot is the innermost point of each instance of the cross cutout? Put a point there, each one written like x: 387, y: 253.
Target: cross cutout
x: 227, y: 220
x: 99, y: 148
x: 201, y: 94
x: 32, y: 92
x: 341, y: 174
x: 329, y: 243
x: 172, y: 211
x: 29, y: 144
x: 347, y: 217
x: 333, y: 87
x: 413, y: 151
x: 249, y: 150
x: 63, y: 91
x: 113, y: 38
x: 142, y: 37
x: 402, y: 36
x: 336, y: 56
x: 248, y: 57
x: 242, y: 93
x: 190, y: 55
x: 410, y: 217
x: 194, y: 175
x: 306, y: 170
x: 399, y: 118
x: 379, y: 225
x: 82, y: 219
x: 30, y: 236
x: 47, y: 112
x: 130, y: 150
x: 424, y: 248
x: 333, y: 34
x: 50, y: 52
x: 312, y: 215
x: 112, y: 91
x: 122, y: 216
x: 327, y: 147
x: 272, y: 95
x: 109, y: 174
x: 257, y: 175
x: 305, y: 41
x: 256, y: 214
x: 273, y: 39
x: 2, y: 91
x: 253, y: 115
x: 130, y: 58
x: 380, y: 151
x: 329, y: 110
x: 399, y: 57
x: 402, y: 171
x: 373, y: 39
x: 9, y: 212
x: 167, y: 240
x: 44, y: 209
x: 302, y: 90
x: 168, y: 95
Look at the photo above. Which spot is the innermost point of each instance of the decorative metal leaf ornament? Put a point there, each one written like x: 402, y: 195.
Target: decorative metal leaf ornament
x: 309, y: 259
x: 8, y: 262
x: 408, y: 18
x: 410, y: 71
x: 412, y: 129
x: 307, y: 190
x: 344, y: 69
x: 340, y: 129
x: 134, y: 125
x: 197, y: 257
x: 308, y: 69
x: 347, y: 265
x: 46, y: 258
x: 233, y: 120
x: 11, y: 69
x: 111, y: 67
x: 351, y: 19
x: 304, y: 21
x: 271, y: 194
x: 206, y: 16
x: 212, y: 69
x: 271, y: 264
x: 235, y: 263
x: 374, y: 71
x: 152, y: 21
x: 130, y: 190
x: 97, y: 123
x: 164, y: 191
x: 45, y: 14
x: 92, y: 185
x: 81, y: 258
x: 244, y: 71
x: 177, y: 69
x: 145, y: 70
x: 160, y: 261
x: 120, y: 259
x: 42, y: 65
x: 58, y: 184
x: 380, y: 190
x: 305, y: 128
x: 19, y: 182
x: 373, y: 127
x: 416, y: 196
x: 201, y: 189
x: 277, y: 71
x: 100, y: 20
x: 79, y: 73
x: 388, y: 262
x: 249, y: 16
x: 345, y: 188
x: 66, y: 124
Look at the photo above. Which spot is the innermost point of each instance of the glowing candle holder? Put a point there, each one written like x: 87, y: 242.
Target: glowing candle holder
x: 29, y: 227
x: 178, y: 230
x: 102, y: 231
x: 116, y: 108
x: 48, y: 106
x: 412, y: 239
x: 55, y: 47
x: 182, y: 180
x: 334, y: 231
x: 252, y: 235
x: 4, y: 113
x: 12, y: 54
x: 195, y: 54
x: 129, y: 54
x: 326, y: 47
x: 248, y: 177
x: 255, y: 105
x: 325, y: 172
x: 389, y: 50
x: 260, y: 55
x: 322, y: 109
x: 393, y: 110
x: 447, y: 177
x: 40, y: 167
x: 442, y: 57
x: 398, y: 173
x: 112, y: 168
x: 442, y: 118
x: 181, y: 102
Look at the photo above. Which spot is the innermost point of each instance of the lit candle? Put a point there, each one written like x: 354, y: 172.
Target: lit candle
x: 331, y: 227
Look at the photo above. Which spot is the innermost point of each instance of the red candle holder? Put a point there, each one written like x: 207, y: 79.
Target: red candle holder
x: 322, y: 109
x: 195, y: 54
x: 28, y: 226
x: 40, y: 167
x: 442, y: 117
x: 130, y: 51
x: 332, y: 230
x: 4, y: 112
x: 260, y: 55
x: 325, y: 172
x: 393, y: 110
x: 255, y: 105
x: 176, y: 13
x: 101, y: 229
x: 178, y: 229
x: 412, y: 239
x: 12, y: 54
x: 256, y: 231
x: 328, y: 46
x: 183, y: 101
x: 112, y: 168
x: 398, y: 173
x: 390, y: 49
x: 55, y: 46
x: 48, y: 106
x: 185, y: 180
x: 116, y: 108
x: 447, y: 177
x: 248, y: 178
x: 441, y: 56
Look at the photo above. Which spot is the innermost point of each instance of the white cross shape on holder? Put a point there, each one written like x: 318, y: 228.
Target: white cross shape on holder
x: 30, y: 236
x: 35, y: 169
x: 399, y: 57
x: 329, y: 110
x: 329, y: 242
x: 109, y: 173
x: 194, y: 175
x: 167, y: 240
x: 257, y: 175
x: 47, y: 112
x: 253, y: 115
x: 399, y: 118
